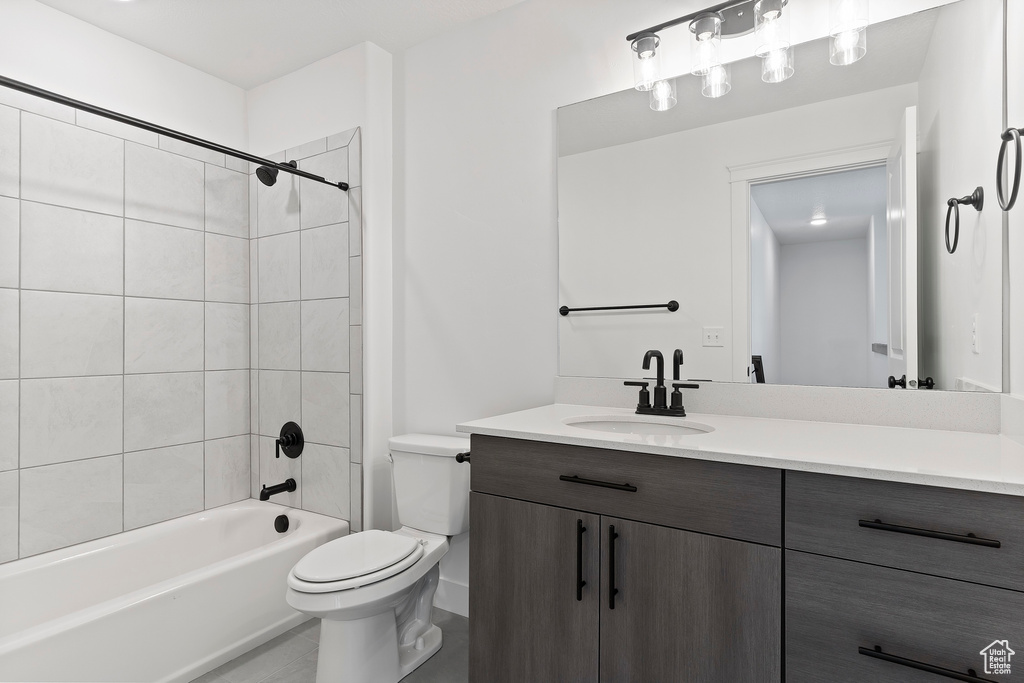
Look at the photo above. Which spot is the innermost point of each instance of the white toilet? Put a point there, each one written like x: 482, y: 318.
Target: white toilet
x: 374, y: 589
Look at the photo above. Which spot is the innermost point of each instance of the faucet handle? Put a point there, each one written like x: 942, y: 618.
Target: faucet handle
x: 645, y: 396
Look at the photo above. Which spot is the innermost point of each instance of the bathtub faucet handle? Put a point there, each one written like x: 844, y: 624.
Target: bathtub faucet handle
x: 290, y: 441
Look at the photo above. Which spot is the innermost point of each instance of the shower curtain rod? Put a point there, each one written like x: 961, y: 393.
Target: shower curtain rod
x: 160, y: 130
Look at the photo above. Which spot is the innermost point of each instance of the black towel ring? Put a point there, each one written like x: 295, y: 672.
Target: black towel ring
x: 1010, y: 135
x: 975, y: 199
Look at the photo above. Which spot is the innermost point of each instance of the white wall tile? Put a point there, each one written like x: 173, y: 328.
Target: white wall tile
x: 325, y: 262
x: 325, y: 484
x: 227, y: 403
x: 162, y: 484
x: 325, y: 335
x: 227, y: 336
x: 356, y: 428
x: 191, y: 151
x: 102, y: 124
x: 227, y: 202
x: 71, y: 334
x: 277, y: 470
x: 70, y: 166
x: 279, y: 268
x: 227, y: 269
x: 277, y: 206
x: 254, y: 466
x: 254, y: 400
x: 253, y: 205
x: 9, y: 338
x: 36, y: 105
x: 162, y: 410
x: 254, y: 341
x: 162, y: 335
x: 163, y: 261
x: 355, y: 221
x: 325, y: 408
x: 324, y: 204
x: 355, y: 153
x: 234, y: 164
x: 341, y: 139
x: 69, y: 503
x: 9, y: 401
x: 356, y: 498
x: 68, y: 250
x: 8, y: 516
x: 9, y: 239
x: 71, y: 418
x: 355, y: 289
x: 161, y: 187
x: 280, y: 400
x: 307, y: 150
x: 227, y: 471
x: 355, y: 363
x: 10, y: 151
x: 279, y: 336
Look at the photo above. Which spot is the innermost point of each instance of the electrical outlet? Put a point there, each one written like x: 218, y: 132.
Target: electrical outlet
x: 714, y: 336
x: 974, y: 334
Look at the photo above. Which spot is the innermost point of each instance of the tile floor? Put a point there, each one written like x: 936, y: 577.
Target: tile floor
x: 291, y: 657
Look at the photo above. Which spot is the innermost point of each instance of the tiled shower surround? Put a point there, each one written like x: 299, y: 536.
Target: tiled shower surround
x: 127, y: 303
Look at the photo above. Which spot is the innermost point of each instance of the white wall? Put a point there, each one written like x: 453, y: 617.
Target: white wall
x: 824, y: 313
x: 1015, y: 218
x: 349, y: 89
x: 959, y: 122
x: 52, y: 50
x: 878, y: 300
x: 664, y: 230
x: 765, y: 319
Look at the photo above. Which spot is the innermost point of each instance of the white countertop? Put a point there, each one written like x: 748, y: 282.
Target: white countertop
x: 962, y: 460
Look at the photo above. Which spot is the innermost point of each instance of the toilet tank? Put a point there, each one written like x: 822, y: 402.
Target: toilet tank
x: 431, y: 488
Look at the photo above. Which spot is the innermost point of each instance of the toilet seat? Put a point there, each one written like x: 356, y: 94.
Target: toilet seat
x: 355, y: 560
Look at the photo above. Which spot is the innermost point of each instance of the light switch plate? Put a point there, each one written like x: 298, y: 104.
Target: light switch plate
x: 714, y: 336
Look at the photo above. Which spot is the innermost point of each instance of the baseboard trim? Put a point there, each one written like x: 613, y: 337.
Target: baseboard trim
x: 452, y: 597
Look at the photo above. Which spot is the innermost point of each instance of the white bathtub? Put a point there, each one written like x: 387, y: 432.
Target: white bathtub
x: 167, y: 602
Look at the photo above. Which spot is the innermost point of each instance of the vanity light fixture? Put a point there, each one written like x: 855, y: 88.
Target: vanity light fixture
x: 768, y: 19
x: 848, y: 20
x: 646, y: 66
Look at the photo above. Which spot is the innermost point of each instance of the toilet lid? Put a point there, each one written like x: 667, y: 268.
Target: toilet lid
x: 354, y: 555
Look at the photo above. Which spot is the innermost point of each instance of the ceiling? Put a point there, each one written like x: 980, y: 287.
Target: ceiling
x: 249, y: 42
x: 896, y: 54
x: 847, y: 198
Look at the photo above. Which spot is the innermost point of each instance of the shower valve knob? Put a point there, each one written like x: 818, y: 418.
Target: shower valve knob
x: 290, y: 441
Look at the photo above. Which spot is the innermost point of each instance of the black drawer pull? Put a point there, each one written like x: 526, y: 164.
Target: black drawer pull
x: 580, y: 583
x: 594, y: 482
x: 914, y: 531
x: 970, y: 676
x: 612, y: 590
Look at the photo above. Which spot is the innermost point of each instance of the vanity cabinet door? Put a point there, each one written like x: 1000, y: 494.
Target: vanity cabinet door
x: 527, y: 623
x: 689, y: 607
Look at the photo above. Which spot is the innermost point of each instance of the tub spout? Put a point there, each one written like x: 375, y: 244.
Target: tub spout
x: 288, y: 486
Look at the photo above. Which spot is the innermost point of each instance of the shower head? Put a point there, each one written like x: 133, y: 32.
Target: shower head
x: 268, y: 174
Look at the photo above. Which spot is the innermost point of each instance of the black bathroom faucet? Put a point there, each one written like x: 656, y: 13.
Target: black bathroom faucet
x: 661, y: 407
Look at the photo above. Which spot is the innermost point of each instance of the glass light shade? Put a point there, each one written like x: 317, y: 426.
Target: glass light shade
x: 771, y: 26
x: 848, y: 47
x: 777, y: 66
x: 716, y: 82
x: 707, y: 40
x: 647, y: 62
x: 663, y: 95
x: 848, y: 21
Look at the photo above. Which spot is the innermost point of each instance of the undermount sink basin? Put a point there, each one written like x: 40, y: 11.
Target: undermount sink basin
x: 639, y: 425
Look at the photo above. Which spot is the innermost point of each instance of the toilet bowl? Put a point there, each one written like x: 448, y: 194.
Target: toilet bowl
x: 374, y: 590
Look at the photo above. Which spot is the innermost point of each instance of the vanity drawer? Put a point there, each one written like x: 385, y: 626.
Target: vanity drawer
x: 923, y: 528
x: 735, y: 501
x: 834, y: 607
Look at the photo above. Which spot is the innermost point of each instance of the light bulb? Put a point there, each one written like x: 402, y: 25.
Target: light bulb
x: 647, y: 65
x: 848, y: 20
x: 777, y: 65
x: 707, y: 38
x: 848, y: 47
x: 716, y: 82
x: 663, y: 95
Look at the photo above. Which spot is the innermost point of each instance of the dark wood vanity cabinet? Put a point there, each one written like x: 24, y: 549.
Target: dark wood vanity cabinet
x: 660, y: 602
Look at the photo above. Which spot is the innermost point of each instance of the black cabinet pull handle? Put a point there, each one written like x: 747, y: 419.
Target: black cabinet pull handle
x: 927, y: 533
x: 1010, y: 135
x: 580, y: 583
x: 594, y: 482
x: 901, y: 382
x: 970, y: 676
x: 612, y: 590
